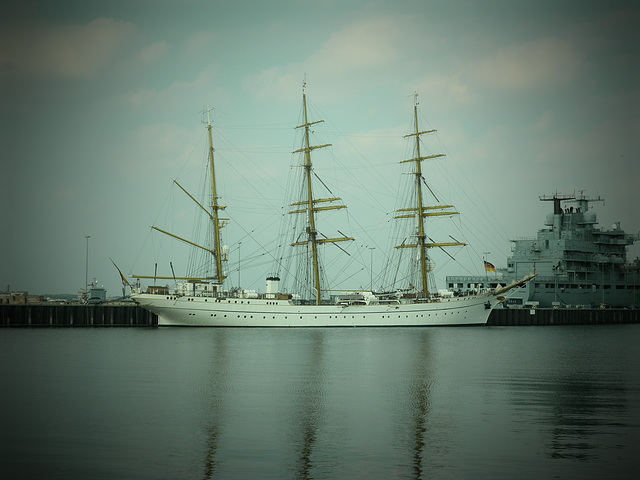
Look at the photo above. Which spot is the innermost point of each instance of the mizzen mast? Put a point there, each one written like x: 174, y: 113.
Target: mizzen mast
x: 215, y: 207
x: 309, y: 203
x: 420, y: 211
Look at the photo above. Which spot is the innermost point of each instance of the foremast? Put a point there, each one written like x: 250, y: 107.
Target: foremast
x: 215, y: 206
x: 420, y: 211
x: 214, y: 214
x: 310, y: 203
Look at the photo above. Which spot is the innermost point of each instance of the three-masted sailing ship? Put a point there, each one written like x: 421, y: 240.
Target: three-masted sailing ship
x: 207, y: 301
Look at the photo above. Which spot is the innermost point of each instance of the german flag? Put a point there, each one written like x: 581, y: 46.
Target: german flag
x: 489, y: 267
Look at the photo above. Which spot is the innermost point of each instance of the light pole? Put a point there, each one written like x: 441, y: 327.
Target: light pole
x: 602, y: 282
x: 239, y: 243
x: 484, y: 265
x: 86, y: 268
x: 371, y: 249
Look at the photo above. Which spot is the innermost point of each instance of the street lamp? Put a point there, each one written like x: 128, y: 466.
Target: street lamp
x: 239, y: 258
x: 484, y: 265
x: 371, y: 249
x: 86, y: 268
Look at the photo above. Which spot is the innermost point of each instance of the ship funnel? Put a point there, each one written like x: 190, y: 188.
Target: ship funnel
x: 273, y: 286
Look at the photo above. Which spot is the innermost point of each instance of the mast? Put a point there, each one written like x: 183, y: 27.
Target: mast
x: 420, y: 210
x: 215, y: 207
x: 313, y: 234
x: 310, y: 202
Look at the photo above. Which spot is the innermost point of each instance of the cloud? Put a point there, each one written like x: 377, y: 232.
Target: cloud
x: 364, y: 47
x: 178, y: 93
x: 544, y: 123
x: 199, y: 42
x: 450, y: 88
x: 537, y: 63
x: 154, y: 52
x: 276, y: 82
x: 62, y: 51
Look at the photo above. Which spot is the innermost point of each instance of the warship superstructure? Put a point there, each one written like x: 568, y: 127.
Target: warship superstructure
x: 577, y: 263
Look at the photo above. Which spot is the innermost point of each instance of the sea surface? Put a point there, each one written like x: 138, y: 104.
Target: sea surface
x: 194, y: 403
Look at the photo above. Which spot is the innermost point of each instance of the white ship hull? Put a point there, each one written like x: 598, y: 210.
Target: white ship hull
x: 238, y: 312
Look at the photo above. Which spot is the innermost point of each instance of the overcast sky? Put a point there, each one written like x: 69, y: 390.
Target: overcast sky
x: 101, y: 105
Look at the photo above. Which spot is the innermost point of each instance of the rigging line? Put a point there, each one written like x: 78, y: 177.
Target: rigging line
x: 477, y: 232
x: 137, y: 258
x: 241, y: 176
x: 364, y: 231
x: 443, y: 248
x: 352, y: 146
x: 196, y: 145
x: 262, y: 126
x: 246, y: 157
x: 325, y: 185
x: 358, y: 179
x: 427, y: 185
x: 273, y: 257
x: 378, y: 134
x: 340, y: 282
x: 335, y: 244
x: 478, y: 197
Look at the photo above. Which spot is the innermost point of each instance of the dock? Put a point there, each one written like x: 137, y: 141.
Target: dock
x: 76, y: 315
x: 129, y: 315
x: 562, y: 316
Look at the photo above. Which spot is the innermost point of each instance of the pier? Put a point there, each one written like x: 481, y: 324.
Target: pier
x: 562, y: 316
x: 70, y: 315
x: 76, y: 315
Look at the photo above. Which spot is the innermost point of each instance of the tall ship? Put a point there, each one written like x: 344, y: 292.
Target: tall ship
x: 578, y: 263
x: 208, y: 301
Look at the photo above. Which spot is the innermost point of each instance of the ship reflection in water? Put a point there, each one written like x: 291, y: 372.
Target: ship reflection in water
x: 320, y: 403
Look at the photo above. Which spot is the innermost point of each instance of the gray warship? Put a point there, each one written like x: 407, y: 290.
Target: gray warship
x: 579, y: 265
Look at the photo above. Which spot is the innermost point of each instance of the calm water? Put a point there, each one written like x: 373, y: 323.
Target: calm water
x: 520, y: 402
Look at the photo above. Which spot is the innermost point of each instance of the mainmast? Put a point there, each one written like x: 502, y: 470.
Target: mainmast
x: 420, y: 210
x: 309, y: 203
x: 215, y: 207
